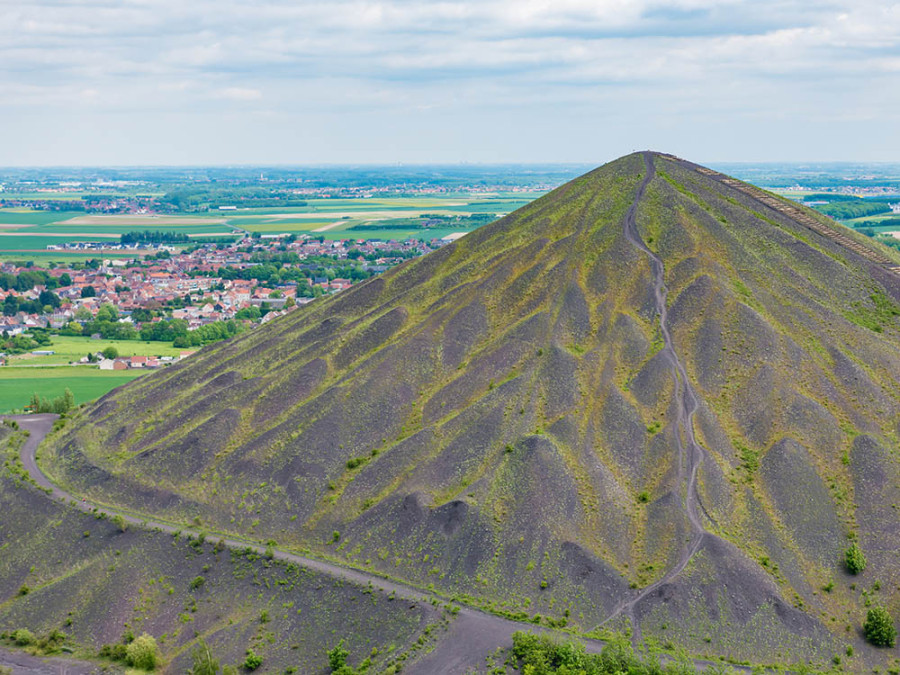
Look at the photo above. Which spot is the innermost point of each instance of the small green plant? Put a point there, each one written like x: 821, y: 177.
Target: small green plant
x: 142, y: 653
x: 120, y: 522
x: 204, y: 663
x: 197, y: 582
x: 253, y: 660
x: 24, y: 590
x: 879, y: 628
x: 337, y: 657
x: 643, y: 497
x: 854, y: 559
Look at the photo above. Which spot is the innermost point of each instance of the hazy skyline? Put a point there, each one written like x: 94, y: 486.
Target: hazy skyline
x: 223, y: 82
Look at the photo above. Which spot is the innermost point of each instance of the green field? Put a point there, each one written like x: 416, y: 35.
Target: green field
x: 70, y: 349
x: 25, y: 217
x: 338, y: 216
x: 86, y: 383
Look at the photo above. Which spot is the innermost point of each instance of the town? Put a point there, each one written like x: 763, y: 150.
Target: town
x: 188, y: 297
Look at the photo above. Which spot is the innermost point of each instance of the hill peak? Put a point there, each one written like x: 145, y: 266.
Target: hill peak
x: 599, y: 408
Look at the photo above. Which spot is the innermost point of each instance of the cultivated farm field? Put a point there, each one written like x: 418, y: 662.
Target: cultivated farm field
x: 86, y: 383
x: 25, y: 233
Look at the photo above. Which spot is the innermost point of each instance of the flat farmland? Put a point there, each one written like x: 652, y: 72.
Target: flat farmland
x: 25, y: 233
x: 86, y: 383
x: 70, y: 348
x: 379, y: 218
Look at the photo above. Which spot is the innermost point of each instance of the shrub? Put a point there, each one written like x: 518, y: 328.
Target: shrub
x: 24, y: 590
x: 854, y: 558
x: 197, y: 582
x: 253, y: 660
x: 879, y: 628
x: 23, y: 637
x: 120, y: 522
x: 142, y: 653
x: 337, y: 657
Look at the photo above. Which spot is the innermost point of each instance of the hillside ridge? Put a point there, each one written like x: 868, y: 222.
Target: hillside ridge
x: 598, y: 411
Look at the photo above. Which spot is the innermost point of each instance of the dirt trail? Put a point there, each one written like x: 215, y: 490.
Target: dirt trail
x: 473, y: 634
x: 690, y: 454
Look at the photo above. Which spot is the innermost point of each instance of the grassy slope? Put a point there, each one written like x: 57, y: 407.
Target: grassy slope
x: 93, y: 582
x: 506, y: 419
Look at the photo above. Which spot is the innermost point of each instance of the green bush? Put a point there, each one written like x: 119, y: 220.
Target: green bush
x: 142, y: 653
x: 337, y: 657
x: 542, y: 655
x: 854, y: 559
x: 253, y: 660
x: 23, y: 637
x: 879, y: 628
x: 197, y: 582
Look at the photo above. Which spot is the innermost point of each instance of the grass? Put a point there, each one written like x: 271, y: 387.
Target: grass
x: 21, y: 217
x: 70, y: 349
x: 86, y: 383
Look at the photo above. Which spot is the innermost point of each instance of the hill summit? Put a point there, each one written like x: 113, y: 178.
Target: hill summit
x: 656, y: 399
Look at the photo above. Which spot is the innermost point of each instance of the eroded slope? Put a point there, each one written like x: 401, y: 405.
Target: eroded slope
x: 504, y: 419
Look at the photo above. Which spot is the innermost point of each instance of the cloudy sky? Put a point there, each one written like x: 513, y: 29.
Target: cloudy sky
x: 93, y: 82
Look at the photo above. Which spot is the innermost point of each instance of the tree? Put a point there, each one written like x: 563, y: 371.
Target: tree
x: 142, y: 653
x: 88, y: 292
x: 879, y: 628
x: 49, y: 298
x: 65, y: 279
x: 204, y: 663
x: 854, y: 558
x: 68, y: 402
x: 107, y: 313
x: 110, y: 352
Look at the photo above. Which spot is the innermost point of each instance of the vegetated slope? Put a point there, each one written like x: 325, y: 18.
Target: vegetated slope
x: 63, y: 570
x: 508, y: 420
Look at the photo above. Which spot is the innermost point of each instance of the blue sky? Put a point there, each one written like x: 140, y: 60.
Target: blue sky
x: 91, y: 82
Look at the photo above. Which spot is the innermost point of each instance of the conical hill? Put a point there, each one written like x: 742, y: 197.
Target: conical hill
x: 655, y: 397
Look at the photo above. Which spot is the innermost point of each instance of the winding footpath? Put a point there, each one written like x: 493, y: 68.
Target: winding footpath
x: 690, y: 453
x: 473, y: 634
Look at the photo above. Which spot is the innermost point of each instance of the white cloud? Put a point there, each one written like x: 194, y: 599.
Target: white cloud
x: 240, y: 94
x: 630, y: 62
